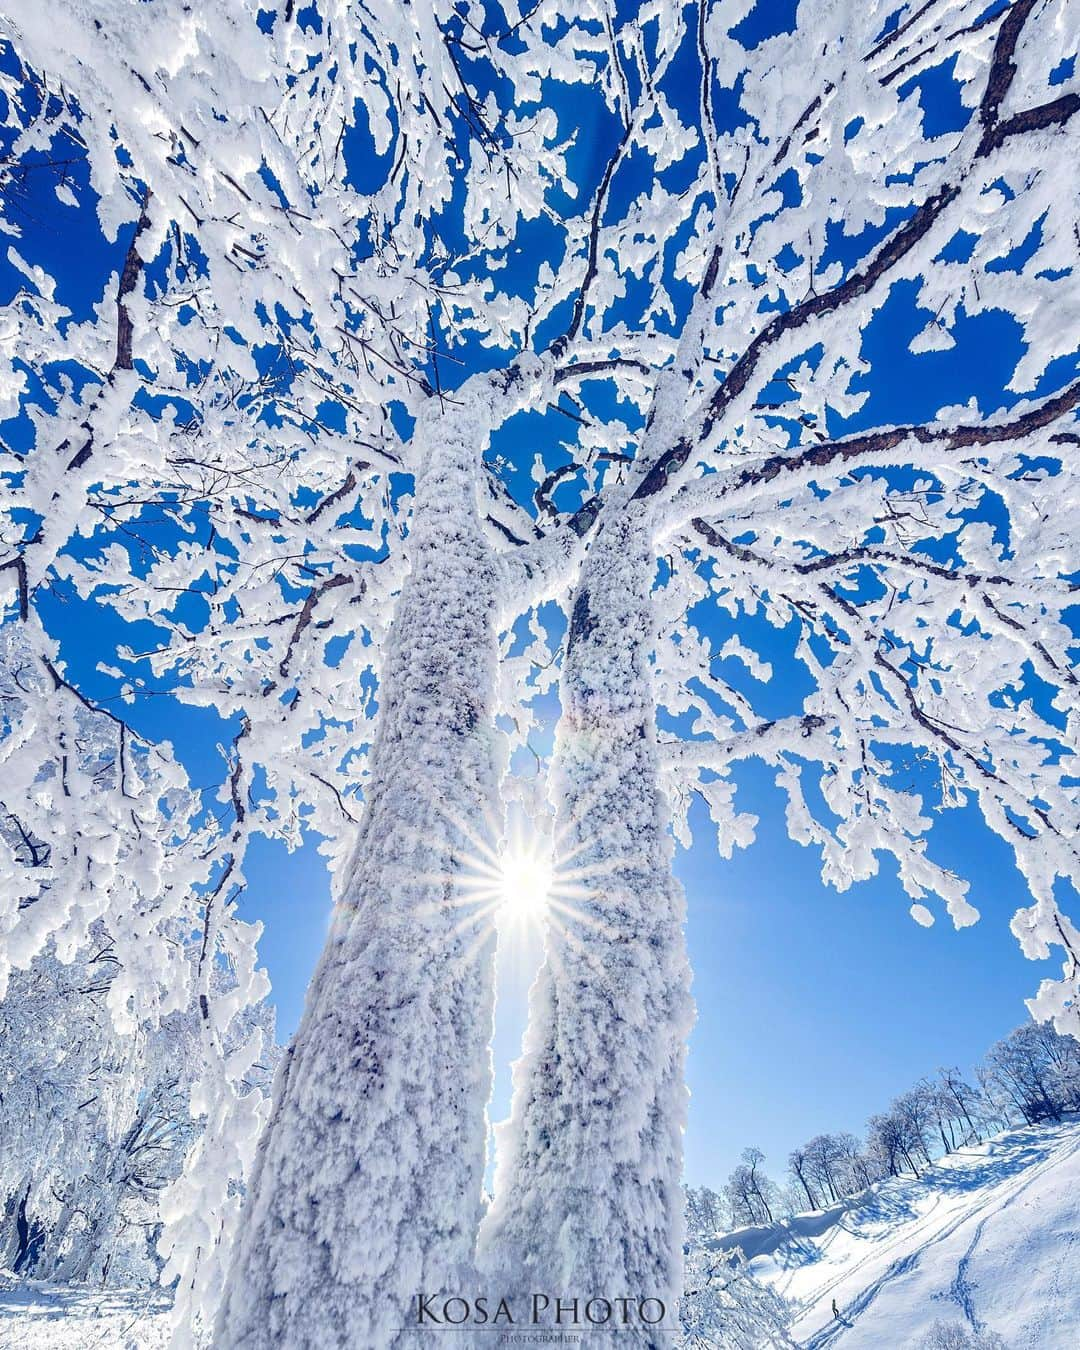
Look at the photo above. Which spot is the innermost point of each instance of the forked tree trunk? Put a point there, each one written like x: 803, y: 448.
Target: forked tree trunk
x: 588, y: 1193
x: 367, y: 1190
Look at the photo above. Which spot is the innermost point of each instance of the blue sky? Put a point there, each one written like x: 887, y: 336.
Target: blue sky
x: 813, y: 1008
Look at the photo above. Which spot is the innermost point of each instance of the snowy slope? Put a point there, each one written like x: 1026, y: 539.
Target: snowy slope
x: 989, y: 1239
x: 50, y: 1317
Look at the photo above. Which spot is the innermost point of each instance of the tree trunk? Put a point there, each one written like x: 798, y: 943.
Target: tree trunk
x: 367, y: 1190
x: 809, y: 1194
x: 588, y: 1191
x: 49, y: 1258
x: 98, y: 1203
x: 22, y: 1233
x: 76, y: 1265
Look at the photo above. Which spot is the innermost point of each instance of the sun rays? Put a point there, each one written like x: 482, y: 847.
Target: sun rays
x: 521, y: 882
x: 526, y: 882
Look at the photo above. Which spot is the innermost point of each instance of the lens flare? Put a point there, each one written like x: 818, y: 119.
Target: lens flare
x: 504, y: 884
x: 524, y: 884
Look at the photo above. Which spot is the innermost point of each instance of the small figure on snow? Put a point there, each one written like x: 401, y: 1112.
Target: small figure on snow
x: 835, y: 1309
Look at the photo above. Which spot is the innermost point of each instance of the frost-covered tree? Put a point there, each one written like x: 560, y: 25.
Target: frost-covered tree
x: 799, y: 1168
x: 914, y: 1110
x: 960, y: 1103
x: 946, y: 1099
x: 95, y: 1122
x: 833, y: 1164
x: 752, y: 1196
x: 123, y: 953
x: 823, y: 1157
x: 355, y: 257
x: 276, y: 349
x: 830, y: 1167
x: 109, y: 850
x: 856, y: 1171
x: 725, y: 1308
x: 62, y: 1080
x: 707, y: 1213
x: 921, y: 570
x: 894, y: 1142
x: 1034, y: 1073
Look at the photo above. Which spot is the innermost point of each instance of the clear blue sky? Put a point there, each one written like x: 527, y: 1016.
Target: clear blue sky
x: 813, y: 1008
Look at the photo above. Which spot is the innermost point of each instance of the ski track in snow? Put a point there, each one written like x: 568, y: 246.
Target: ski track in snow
x: 961, y: 1291
x: 973, y: 1189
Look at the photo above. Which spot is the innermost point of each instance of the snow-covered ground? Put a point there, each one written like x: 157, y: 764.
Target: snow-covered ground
x: 989, y: 1240
x: 48, y: 1317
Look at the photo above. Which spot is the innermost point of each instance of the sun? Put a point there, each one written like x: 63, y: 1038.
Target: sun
x: 525, y: 882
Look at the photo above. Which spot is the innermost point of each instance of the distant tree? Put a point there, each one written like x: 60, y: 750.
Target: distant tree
x: 1035, y: 1072
x: 960, y: 1101
x: 761, y: 1186
x: 998, y: 1108
x: 888, y: 1140
x: 1062, y: 1054
x: 707, y: 1213
x: 750, y: 1193
x: 799, y: 1168
x: 915, y: 1110
x: 832, y: 1166
x: 825, y: 1155
x: 855, y: 1169
x: 941, y: 1107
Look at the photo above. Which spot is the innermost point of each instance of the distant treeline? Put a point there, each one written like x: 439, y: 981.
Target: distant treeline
x: 1032, y: 1075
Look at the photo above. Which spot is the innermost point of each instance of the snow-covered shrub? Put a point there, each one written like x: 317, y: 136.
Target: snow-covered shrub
x: 957, y: 1336
x: 724, y: 1307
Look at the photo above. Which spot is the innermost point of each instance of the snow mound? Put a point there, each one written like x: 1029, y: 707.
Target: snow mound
x: 988, y: 1241
x: 37, y: 1316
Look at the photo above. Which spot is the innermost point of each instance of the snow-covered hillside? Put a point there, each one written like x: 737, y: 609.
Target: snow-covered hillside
x: 989, y: 1241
